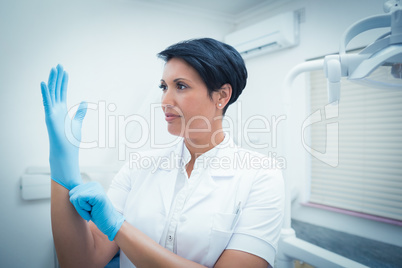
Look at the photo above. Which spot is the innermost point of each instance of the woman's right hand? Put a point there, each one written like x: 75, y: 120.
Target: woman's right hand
x: 64, y: 133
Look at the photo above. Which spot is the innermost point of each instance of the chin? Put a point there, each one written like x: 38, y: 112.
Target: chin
x: 175, y: 131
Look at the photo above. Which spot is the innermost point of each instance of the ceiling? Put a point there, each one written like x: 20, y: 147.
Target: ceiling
x: 227, y: 9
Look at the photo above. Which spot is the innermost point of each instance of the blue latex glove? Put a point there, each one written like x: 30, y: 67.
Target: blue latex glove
x: 91, y: 202
x: 64, y: 133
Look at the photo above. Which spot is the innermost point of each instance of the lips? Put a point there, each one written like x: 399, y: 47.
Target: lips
x: 170, y: 117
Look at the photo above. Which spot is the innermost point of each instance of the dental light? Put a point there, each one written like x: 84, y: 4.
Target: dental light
x: 377, y: 65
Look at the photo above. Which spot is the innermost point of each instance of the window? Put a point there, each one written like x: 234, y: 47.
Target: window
x: 368, y: 177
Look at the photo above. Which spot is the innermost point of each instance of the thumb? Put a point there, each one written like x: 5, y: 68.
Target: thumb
x: 81, y: 112
x: 47, y: 102
x: 76, y: 123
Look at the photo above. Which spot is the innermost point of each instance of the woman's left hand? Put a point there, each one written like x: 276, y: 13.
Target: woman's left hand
x: 91, y: 202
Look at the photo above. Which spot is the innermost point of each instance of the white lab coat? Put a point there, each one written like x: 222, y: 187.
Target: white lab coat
x: 212, y: 219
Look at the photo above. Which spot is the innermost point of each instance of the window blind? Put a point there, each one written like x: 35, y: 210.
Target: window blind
x: 368, y: 178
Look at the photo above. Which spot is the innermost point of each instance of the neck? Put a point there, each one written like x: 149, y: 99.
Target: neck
x: 202, y: 143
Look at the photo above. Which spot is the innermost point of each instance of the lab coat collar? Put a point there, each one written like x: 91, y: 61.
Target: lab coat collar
x: 222, y: 163
x: 219, y: 161
x: 215, y: 170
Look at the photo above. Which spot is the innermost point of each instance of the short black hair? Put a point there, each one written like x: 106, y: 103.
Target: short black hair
x: 216, y: 62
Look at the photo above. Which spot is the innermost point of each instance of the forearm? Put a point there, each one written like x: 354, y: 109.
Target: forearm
x: 72, y: 236
x: 144, y: 252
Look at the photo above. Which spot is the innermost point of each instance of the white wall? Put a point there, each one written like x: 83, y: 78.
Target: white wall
x: 325, y: 21
x: 109, y: 49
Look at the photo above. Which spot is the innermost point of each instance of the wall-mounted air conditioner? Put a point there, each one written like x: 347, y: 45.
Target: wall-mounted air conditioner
x: 279, y: 32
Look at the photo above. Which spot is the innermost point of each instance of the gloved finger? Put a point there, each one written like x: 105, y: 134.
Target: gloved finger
x: 51, y: 84
x: 82, y: 191
x: 82, y: 212
x: 74, y: 190
x: 47, y: 102
x: 81, y: 111
x: 64, y: 84
x: 60, y: 74
x: 83, y: 203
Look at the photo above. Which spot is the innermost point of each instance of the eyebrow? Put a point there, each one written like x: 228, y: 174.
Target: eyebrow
x: 177, y: 79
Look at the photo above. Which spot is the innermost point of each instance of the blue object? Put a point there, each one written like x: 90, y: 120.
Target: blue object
x: 91, y: 202
x: 115, y: 262
x: 64, y: 133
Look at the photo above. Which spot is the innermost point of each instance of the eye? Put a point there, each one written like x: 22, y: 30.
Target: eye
x: 163, y: 87
x: 181, y: 86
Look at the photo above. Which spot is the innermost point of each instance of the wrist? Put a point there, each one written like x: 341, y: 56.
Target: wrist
x: 66, y: 175
x: 114, y: 229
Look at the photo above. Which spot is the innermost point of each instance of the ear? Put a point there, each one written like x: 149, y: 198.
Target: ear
x: 223, y: 96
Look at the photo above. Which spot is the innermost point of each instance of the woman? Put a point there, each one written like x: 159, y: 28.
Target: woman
x: 210, y: 208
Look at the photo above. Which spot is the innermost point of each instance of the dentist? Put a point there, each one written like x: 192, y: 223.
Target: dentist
x: 218, y: 205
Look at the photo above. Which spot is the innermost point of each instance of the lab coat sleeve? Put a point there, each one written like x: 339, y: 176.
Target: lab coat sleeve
x: 260, y: 223
x: 120, y: 187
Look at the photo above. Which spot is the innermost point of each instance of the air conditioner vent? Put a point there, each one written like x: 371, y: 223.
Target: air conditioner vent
x: 279, y: 32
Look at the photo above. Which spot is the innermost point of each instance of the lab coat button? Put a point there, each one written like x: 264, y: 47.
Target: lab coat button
x: 170, y: 238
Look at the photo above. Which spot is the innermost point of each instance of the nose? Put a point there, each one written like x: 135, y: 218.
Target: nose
x: 167, y: 99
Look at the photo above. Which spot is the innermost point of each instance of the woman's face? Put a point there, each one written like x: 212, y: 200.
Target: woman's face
x: 188, y: 109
